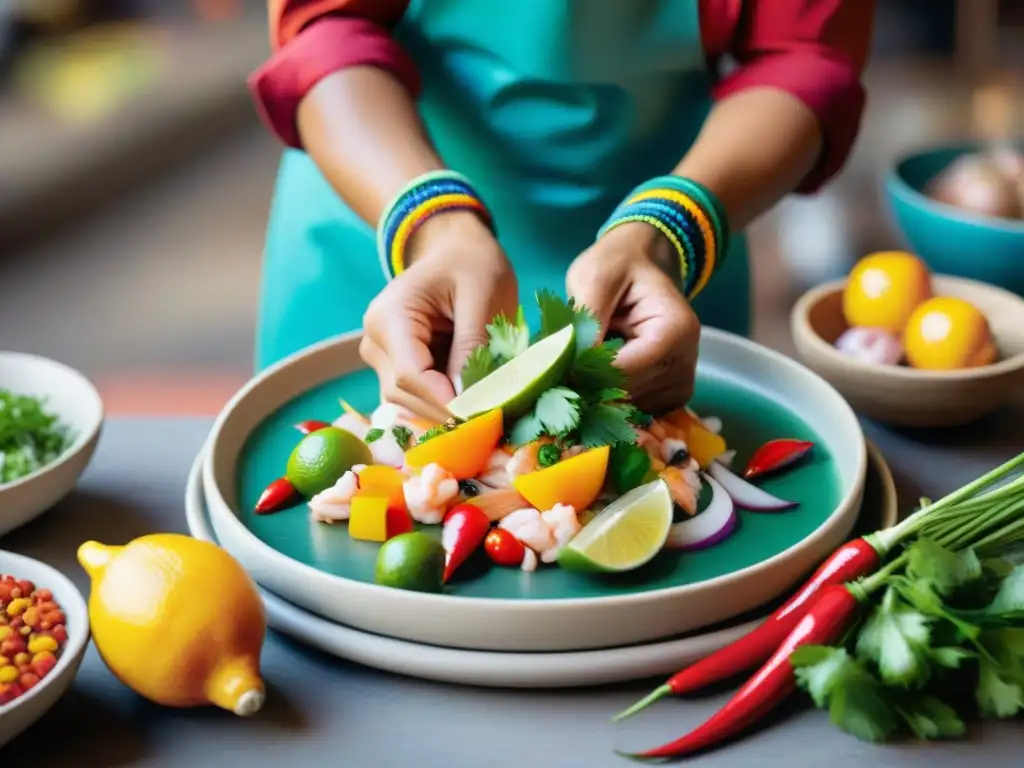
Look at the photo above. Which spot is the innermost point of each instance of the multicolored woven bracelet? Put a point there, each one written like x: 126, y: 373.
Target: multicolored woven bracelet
x: 694, y: 217
x: 424, y: 197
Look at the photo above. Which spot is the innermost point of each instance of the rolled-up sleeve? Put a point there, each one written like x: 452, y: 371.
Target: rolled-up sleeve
x: 815, y: 50
x: 312, y: 39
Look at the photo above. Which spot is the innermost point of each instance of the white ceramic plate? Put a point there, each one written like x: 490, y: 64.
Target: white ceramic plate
x: 550, y: 624
x: 511, y: 670
x: 19, y: 714
x: 74, y: 400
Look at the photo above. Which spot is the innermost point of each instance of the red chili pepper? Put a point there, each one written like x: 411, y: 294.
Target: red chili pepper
x: 276, y: 496
x: 775, y: 455
x: 465, y: 527
x: 310, y: 425
x: 504, y: 548
x: 824, y: 624
x: 851, y: 561
x: 397, y: 522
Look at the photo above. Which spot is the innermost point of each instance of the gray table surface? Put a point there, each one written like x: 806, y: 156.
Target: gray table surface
x: 324, y: 711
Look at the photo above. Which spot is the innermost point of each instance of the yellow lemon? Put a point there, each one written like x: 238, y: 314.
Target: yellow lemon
x: 178, y: 621
x: 884, y: 289
x: 946, y: 334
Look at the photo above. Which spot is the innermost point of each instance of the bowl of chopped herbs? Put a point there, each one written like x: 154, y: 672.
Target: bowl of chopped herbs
x: 50, y: 421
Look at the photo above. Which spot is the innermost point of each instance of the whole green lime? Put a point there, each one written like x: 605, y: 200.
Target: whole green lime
x: 322, y: 457
x: 413, y: 561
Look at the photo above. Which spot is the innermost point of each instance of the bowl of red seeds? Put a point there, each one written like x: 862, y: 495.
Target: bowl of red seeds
x: 44, y: 631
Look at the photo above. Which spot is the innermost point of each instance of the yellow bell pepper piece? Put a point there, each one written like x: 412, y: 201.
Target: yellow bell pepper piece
x: 368, y: 518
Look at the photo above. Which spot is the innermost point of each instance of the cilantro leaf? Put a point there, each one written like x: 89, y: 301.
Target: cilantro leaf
x: 997, y: 694
x: 373, y: 436
x: 945, y: 570
x: 950, y: 657
x: 556, y: 313
x: 931, y: 718
x: 558, y: 409
x: 508, y: 338
x: 896, y: 637
x: 480, y: 364
x: 402, y: 435
x: 1009, y: 598
x: 434, y: 431
x: 526, y: 429
x: 605, y: 424
x: 857, y: 702
x: 819, y: 669
x: 612, y: 395
x: 595, y: 370
x: 922, y: 596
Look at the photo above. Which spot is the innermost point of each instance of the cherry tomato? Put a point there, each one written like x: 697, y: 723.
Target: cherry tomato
x: 503, y: 548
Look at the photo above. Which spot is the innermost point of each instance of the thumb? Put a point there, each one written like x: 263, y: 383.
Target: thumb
x: 470, y: 316
x: 592, y: 290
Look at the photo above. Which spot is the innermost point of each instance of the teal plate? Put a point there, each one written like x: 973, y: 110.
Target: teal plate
x: 750, y: 419
x: 758, y: 394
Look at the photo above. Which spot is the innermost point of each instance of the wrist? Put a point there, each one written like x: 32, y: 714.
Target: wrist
x: 640, y: 238
x: 447, y: 232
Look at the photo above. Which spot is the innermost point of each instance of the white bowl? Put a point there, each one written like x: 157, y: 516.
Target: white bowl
x: 19, y: 714
x: 569, y: 624
x: 74, y: 399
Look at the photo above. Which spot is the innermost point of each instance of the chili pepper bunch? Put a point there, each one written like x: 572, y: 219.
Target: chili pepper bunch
x: 884, y: 642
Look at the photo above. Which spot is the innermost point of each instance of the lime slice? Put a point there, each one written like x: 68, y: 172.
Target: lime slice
x: 624, y: 535
x: 323, y: 456
x: 516, y: 386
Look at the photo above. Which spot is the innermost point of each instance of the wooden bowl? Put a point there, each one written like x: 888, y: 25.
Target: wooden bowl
x: 908, y: 397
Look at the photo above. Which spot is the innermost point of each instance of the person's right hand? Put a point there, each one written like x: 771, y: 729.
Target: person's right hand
x: 420, y: 329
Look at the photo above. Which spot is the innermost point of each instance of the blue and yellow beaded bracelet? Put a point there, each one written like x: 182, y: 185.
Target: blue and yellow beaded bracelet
x: 690, y: 217
x: 424, y: 197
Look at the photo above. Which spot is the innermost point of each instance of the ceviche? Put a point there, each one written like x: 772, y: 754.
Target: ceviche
x: 546, y: 462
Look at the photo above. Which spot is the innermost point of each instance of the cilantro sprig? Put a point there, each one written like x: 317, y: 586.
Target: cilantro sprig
x: 949, y: 622
x: 590, y: 406
x: 30, y: 436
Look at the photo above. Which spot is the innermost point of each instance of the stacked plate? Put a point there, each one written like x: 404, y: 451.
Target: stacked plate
x: 549, y: 628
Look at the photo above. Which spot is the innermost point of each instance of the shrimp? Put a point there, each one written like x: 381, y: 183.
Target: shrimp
x: 683, y: 493
x: 564, y: 525
x: 334, y: 504
x: 498, y: 503
x: 428, y: 494
x: 529, y: 560
x: 524, y: 460
x: 672, y: 448
x: 652, y: 445
x: 495, y: 474
x: 529, y: 527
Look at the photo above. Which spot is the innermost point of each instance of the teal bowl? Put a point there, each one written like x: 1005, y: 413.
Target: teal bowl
x: 950, y: 240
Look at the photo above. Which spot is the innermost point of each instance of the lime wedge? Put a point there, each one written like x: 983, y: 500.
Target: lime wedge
x: 624, y: 535
x: 516, y: 386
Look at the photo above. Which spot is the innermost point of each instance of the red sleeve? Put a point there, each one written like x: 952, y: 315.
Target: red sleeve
x: 312, y: 39
x: 815, y: 50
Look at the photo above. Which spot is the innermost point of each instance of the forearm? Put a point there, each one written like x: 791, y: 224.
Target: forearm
x: 361, y: 128
x: 756, y: 146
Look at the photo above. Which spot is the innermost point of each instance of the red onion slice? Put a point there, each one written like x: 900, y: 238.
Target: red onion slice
x: 712, y: 526
x: 745, y: 494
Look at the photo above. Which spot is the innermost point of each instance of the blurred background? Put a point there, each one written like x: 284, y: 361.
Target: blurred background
x: 135, y: 179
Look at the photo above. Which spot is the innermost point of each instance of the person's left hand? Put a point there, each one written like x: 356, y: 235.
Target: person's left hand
x: 627, y: 280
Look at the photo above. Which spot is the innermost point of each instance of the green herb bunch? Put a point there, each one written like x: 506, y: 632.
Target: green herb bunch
x: 591, y: 406
x: 30, y: 436
x: 945, y: 641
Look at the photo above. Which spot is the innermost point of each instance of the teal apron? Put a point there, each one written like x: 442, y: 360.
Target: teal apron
x: 554, y: 108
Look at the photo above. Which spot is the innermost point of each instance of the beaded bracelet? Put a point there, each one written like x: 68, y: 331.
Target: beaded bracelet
x: 424, y: 197
x: 690, y: 217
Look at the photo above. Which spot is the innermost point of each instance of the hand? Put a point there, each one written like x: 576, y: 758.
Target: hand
x: 629, y: 280
x: 420, y: 329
